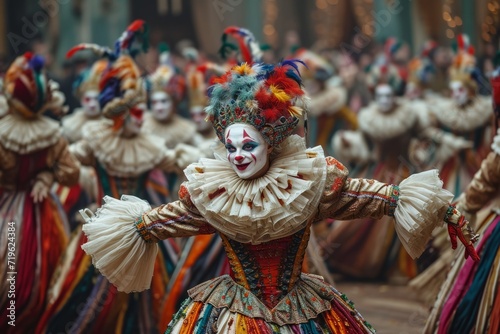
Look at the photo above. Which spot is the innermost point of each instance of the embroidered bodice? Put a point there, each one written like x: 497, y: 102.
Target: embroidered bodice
x: 270, y: 269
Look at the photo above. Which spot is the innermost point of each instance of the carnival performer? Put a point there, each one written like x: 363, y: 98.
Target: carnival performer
x: 468, y: 117
x: 469, y: 299
x: 465, y: 114
x: 261, y: 194
x: 369, y: 248
x: 327, y: 108
x: 122, y: 155
x: 86, y: 89
x: 33, y: 155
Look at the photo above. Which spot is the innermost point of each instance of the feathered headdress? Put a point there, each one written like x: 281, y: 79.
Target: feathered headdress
x: 261, y: 95
x: 248, y: 47
x: 315, y: 66
x: 463, y: 67
x: 384, y: 73
x: 28, y: 90
x: 121, y: 86
x: 166, y: 79
x: 198, y: 79
x: 420, y: 71
x: 89, y: 79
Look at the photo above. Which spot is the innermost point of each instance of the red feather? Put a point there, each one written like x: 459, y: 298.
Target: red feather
x: 75, y: 49
x: 460, y: 42
x: 136, y: 25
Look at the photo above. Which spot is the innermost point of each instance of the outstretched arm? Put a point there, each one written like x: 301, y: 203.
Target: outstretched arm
x: 418, y: 204
x: 123, y: 235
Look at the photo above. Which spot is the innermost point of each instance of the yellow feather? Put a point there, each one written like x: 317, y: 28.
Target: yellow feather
x: 280, y: 94
x: 295, y: 111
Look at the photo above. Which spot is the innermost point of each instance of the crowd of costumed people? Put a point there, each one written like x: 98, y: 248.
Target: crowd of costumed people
x: 222, y: 194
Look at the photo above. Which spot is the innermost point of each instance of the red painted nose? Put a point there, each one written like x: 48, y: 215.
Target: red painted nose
x: 239, y: 158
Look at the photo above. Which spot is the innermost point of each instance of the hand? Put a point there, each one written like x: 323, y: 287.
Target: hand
x: 467, y: 239
x: 40, y: 191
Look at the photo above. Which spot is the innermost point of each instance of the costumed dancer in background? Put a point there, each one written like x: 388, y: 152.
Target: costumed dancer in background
x: 468, y: 117
x: 261, y: 194
x: 379, y: 149
x: 202, y: 257
x: 86, y: 89
x: 82, y: 300
x: 469, y: 299
x: 167, y: 90
x: 33, y: 155
x: 465, y: 114
x: 327, y: 108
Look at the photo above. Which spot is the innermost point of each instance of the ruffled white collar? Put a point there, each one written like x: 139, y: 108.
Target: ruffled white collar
x: 23, y: 135
x: 178, y: 130
x: 475, y: 115
x: 381, y: 126
x: 121, y: 156
x: 72, y: 124
x: 273, y: 206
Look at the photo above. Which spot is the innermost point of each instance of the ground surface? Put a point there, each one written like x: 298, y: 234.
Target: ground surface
x: 390, y: 309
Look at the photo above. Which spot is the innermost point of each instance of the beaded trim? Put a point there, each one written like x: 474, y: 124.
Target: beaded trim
x: 393, y: 200
x: 450, y: 214
x: 140, y: 226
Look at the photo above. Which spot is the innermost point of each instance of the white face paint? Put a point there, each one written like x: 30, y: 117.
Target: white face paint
x: 161, y: 105
x: 90, y: 103
x: 198, y: 116
x: 247, y: 151
x: 134, y: 120
x: 459, y: 93
x: 384, y: 97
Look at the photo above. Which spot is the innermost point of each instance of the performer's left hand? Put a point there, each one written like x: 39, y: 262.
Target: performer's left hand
x: 468, y: 238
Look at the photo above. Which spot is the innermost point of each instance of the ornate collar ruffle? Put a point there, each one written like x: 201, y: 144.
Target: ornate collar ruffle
x: 23, y: 135
x: 267, y: 208
x: 382, y: 126
x: 178, y: 130
x: 467, y: 119
x: 72, y: 124
x: 121, y: 156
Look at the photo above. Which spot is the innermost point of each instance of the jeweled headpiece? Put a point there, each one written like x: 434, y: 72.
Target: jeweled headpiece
x: 264, y: 96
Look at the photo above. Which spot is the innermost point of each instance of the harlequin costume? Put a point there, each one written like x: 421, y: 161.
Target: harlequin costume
x: 470, y: 123
x: 264, y: 222
x: 85, y: 192
x: 32, y: 152
x: 81, y: 298
x: 369, y: 248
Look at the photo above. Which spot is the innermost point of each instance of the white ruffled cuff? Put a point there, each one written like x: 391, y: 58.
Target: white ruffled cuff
x: 421, y: 207
x: 117, y: 249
